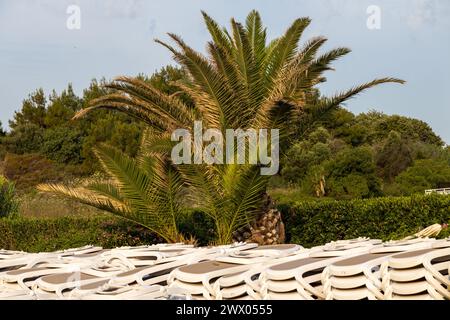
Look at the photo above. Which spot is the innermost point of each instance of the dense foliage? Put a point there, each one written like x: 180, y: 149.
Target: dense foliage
x: 369, y: 155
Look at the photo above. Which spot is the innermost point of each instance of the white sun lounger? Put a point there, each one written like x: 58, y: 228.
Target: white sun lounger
x: 418, y: 272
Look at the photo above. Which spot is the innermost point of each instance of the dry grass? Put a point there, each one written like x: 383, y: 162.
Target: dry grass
x: 38, y: 205
x: 289, y: 195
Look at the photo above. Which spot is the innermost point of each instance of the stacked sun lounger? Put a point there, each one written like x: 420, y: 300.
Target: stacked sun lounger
x: 361, y: 276
x: 420, y: 274
x: 343, y: 270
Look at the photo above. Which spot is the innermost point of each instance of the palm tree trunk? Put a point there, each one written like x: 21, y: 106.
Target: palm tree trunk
x: 268, y: 227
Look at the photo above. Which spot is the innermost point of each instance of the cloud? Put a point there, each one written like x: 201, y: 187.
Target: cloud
x: 128, y: 9
x: 339, y: 8
x: 424, y: 12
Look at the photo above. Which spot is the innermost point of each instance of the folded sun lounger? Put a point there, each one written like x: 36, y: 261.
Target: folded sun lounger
x: 359, y: 277
x: 418, y: 273
x: 301, y: 278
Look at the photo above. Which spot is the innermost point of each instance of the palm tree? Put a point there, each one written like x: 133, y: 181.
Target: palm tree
x: 243, y: 82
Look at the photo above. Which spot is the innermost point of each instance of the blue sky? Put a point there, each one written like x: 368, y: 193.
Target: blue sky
x: 116, y: 37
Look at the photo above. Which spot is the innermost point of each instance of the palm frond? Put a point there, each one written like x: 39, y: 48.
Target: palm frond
x: 257, y: 37
x: 207, y: 80
x: 169, y: 107
x: 132, y: 182
x: 121, y: 103
x: 284, y: 49
x: 246, y: 199
x: 220, y: 37
x: 336, y: 100
x: 88, y: 197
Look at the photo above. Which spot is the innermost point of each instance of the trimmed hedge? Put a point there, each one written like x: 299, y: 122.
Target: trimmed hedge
x: 308, y: 223
x: 49, y: 234
x: 311, y: 223
x: 58, y: 233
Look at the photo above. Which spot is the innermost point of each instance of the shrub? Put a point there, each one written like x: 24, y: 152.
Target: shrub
x: 311, y: 223
x: 198, y: 225
x: 63, y: 144
x: 26, y: 138
x: 424, y: 174
x: 8, y: 200
x: 28, y: 170
x: 352, y: 173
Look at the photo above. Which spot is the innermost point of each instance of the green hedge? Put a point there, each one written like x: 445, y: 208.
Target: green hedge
x: 57, y: 233
x: 311, y: 223
x: 308, y: 223
x: 48, y: 234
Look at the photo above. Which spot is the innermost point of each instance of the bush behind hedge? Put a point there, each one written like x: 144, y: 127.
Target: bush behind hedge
x: 311, y: 223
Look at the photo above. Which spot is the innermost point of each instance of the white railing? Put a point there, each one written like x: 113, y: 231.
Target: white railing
x: 438, y: 191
